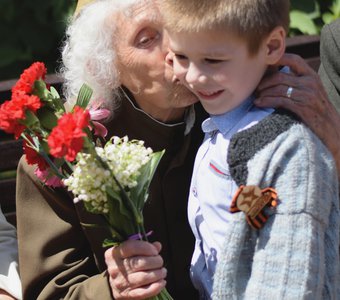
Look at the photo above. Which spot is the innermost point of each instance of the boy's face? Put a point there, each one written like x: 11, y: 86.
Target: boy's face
x: 217, y: 67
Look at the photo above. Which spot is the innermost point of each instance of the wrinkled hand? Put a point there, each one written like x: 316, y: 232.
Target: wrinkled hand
x: 308, y: 100
x: 135, y: 270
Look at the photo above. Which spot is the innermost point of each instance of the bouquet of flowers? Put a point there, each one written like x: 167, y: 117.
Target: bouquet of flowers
x: 111, y: 179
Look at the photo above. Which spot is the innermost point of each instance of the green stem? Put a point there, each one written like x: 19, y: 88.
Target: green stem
x: 69, y: 165
x: 29, y: 142
x: 126, y: 198
x: 52, y: 165
x: 143, y: 232
x: 113, y: 232
x: 43, y: 154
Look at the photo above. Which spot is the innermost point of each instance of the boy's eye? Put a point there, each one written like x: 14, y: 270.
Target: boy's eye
x: 213, y: 61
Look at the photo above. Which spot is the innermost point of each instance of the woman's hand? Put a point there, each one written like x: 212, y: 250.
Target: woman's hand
x: 135, y: 270
x: 307, y: 99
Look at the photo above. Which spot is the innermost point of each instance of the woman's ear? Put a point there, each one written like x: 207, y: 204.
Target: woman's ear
x: 275, y: 45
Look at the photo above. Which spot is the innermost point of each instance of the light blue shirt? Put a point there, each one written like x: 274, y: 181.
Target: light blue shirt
x: 212, y: 189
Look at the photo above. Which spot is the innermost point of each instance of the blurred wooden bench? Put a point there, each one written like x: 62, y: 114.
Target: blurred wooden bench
x: 306, y: 46
x: 11, y: 150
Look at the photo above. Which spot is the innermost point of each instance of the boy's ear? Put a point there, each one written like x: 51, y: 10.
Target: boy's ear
x: 275, y: 45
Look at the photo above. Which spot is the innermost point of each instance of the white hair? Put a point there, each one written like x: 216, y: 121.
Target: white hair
x: 89, y: 54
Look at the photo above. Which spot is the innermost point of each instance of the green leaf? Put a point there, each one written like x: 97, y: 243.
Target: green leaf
x: 54, y: 93
x: 31, y: 119
x: 90, y: 225
x: 336, y: 9
x: 116, y: 197
x: 327, y: 18
x: 44, y: 146
x: 140, y: 192
x: 301, y: 21
x: 316, y: 13
x: 119, y: 215
x: 110, y: 243
x: 41, y: 90
x: 59, y: 162
x: 47, y: 118
x: 59, y: 105
x: 84, y: 96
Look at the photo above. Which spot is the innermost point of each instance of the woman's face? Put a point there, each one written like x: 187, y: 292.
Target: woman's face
x: 141, y: 50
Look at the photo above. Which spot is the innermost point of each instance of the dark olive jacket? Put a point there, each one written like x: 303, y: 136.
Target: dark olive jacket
x: 60, y: 258
x: 330, y: 61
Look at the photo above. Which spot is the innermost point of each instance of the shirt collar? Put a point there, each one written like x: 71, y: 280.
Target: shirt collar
x: 225, y: 122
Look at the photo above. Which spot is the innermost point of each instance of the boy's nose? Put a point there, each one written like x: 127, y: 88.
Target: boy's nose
x: 195, y: 75
x: 169, y: 58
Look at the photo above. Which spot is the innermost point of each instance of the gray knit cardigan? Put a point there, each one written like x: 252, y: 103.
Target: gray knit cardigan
x: 296, y: 254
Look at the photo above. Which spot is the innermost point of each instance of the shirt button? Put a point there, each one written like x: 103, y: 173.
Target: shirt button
x: 194, y: 192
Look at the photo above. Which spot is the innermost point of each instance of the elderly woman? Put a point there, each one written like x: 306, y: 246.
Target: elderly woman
x: 118, y: 48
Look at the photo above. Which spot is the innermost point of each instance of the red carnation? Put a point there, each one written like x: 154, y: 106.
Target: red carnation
x: 13, y: 111
x: 26, y: 102
x: 10, y: 114
x: 25, y: 84
x: 66, y: 139
x: 33, y: 157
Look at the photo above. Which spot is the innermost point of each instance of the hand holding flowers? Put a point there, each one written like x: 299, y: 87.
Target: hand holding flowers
x: 112, y: 180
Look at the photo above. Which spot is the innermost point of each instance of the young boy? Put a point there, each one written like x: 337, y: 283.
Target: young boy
x: 263, y: 202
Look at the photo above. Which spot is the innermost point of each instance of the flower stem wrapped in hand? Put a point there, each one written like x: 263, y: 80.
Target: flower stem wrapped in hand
x: 112, y: 181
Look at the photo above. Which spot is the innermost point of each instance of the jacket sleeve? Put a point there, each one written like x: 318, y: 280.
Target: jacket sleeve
x: 55, y: 257
x: 296, y: 255
x: 9, y: 276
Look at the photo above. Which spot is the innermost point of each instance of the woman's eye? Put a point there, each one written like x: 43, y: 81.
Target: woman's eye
x: 145, y: 41
x: 147, y: 37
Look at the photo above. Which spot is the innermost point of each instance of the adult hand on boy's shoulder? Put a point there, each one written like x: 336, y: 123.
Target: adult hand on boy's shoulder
x: 302, y: 92
x: 135, y: 270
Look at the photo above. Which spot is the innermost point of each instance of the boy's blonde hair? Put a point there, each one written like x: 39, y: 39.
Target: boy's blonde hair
x: 252, y: 20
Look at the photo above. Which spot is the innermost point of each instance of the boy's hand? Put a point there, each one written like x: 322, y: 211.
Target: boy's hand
x: 135, y: 270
